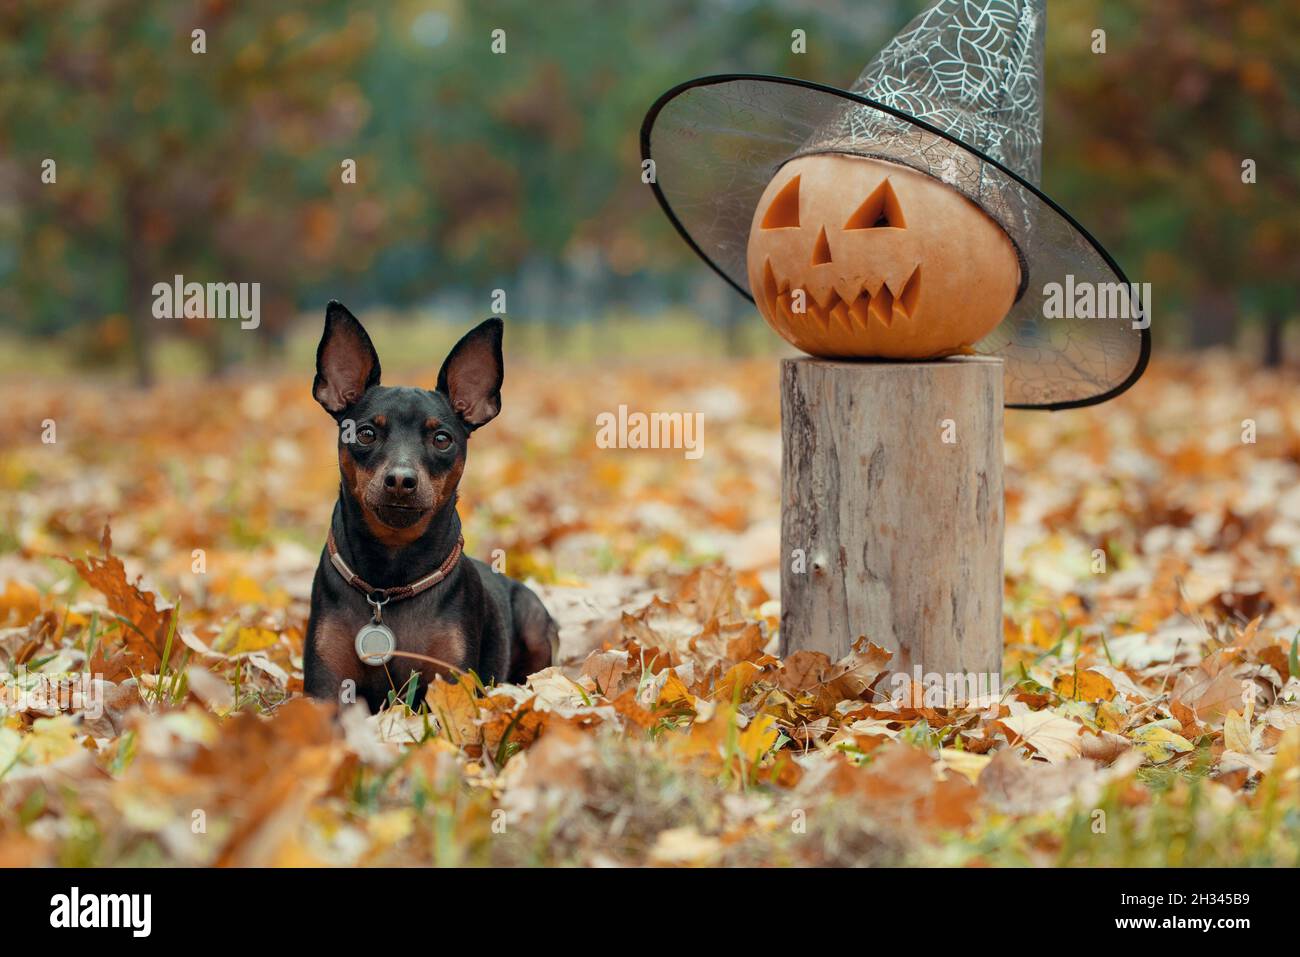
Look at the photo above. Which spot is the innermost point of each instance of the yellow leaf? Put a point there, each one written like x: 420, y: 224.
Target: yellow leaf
x: 1084, y: 685
x: 246, y: 591
x: 1236, y: 733
x: 966, y: 763
x: 738, y: 677
x: 1159, y: 743
x: 1109, y: 718
x: 390, y: 827
x: 456, y: 709
x: 50, y: 739
x: 757, y: 739
x: 253, y: 639
x: 712, y: 737
x: 19, y: 602
x: 675, y: 693
x: 1284, y: 776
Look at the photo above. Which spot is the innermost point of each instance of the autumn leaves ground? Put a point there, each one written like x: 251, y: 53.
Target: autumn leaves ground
x: 1149, y: 714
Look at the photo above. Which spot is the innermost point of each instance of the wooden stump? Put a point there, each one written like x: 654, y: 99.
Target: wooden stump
x: 892, y: 511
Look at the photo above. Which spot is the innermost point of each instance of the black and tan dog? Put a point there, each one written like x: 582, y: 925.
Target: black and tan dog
x: 393, y: 556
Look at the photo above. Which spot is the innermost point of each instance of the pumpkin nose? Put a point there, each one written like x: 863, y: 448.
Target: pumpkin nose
x: 821, y: 249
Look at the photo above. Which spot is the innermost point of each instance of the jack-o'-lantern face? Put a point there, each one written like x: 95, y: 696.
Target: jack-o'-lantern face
x: 855, y: 257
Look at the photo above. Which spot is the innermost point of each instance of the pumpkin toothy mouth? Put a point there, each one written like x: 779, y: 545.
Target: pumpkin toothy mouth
x: 883, y: 305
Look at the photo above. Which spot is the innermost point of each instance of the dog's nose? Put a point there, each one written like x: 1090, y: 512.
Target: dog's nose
x: 400, y: 480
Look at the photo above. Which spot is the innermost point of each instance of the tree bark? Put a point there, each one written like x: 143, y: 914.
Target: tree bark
x: 139, y: 297
x: 892, y: 511
x: 1274, y: 344
x: 1214, y: 320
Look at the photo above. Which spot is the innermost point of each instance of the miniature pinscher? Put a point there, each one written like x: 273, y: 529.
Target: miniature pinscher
x: 392, y: 561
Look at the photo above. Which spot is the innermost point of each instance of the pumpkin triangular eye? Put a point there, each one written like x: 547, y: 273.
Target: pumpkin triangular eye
x: 821, y: 249
x: 784, y: 211
x: 879, y: 209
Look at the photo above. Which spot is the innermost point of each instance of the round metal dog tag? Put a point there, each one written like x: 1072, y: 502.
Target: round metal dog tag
x: 376, y: 643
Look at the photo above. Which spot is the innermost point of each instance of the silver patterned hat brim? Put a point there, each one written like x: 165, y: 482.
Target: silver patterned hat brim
x: 717, y: 141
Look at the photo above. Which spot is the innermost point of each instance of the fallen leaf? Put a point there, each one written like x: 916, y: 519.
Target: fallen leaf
x: 1054, y: 737
x: 1160, y: 744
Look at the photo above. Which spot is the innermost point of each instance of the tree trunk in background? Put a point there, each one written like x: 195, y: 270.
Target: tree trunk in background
x: 278, y: 312
x: 217, y: 347
x: 1214, y: 320
x: 139, y: 296
x: 733, y: 319
x: 1274, y: 352
x: 268, y: 342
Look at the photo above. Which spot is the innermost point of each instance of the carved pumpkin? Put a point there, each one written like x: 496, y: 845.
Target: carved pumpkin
x: 891, y: 262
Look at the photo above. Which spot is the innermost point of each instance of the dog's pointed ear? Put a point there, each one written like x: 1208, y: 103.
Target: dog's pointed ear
x: 346, y: 362
x: 472, y: 375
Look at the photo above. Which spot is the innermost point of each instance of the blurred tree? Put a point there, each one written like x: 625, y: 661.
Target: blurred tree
x: 521, y: 169
x: 535, y: 149
x: 224, y: 165
x: 214, y: 165
x: 1148, y: 140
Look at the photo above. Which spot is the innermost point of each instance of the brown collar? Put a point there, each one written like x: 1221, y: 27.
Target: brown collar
x: 385, y: 595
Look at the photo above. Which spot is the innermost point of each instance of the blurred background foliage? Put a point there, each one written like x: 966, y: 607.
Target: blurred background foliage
x: 521, y: 171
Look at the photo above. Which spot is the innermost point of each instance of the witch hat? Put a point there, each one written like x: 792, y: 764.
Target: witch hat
x: 957, y: 95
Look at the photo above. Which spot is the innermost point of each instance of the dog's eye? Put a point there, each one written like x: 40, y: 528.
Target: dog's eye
x: 441, y: 441
x: 366, y: 435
